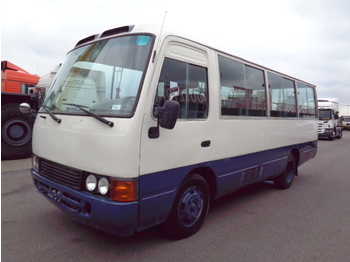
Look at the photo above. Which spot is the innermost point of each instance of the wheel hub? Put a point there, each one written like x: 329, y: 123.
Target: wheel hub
x: 16, y: 132
x: 191, y: 206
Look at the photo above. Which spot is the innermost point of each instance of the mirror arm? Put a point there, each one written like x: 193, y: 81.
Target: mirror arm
x: 153, y: 132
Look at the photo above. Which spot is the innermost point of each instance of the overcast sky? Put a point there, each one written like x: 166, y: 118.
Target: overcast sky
x: 308, y: 39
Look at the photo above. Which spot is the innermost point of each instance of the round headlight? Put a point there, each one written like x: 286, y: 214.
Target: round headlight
x: 91, y: 183
x: 103, y: 186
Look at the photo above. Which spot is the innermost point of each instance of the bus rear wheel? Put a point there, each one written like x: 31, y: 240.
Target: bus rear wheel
x: 190, y: 207
x: 285, y: 180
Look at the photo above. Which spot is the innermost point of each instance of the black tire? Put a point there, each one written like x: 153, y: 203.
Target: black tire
x: 16, y: 133
x: 285, y: 180
x: 190, y: 207
x: 340, y: 135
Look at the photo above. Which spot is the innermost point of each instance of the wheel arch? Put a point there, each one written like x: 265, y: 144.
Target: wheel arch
x: 296, y: 154
x: 209, y: 176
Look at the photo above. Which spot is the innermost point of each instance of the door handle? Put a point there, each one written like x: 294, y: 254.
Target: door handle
x: 205, y: 143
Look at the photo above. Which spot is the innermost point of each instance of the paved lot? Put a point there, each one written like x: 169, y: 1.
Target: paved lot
x: 13, y: 165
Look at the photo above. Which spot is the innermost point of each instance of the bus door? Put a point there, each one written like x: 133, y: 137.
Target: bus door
x: 165, y: 160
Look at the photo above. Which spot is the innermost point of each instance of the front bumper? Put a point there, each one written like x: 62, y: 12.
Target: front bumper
x: 117, y: 218
x: 326, y: 133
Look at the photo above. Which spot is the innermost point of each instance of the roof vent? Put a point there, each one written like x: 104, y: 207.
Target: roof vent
x: 85, y: 40
x: 114, y: 31
x: 118, y: 30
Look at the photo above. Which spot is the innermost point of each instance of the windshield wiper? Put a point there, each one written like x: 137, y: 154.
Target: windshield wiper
x: 58, y: 120
x: 103, y: 120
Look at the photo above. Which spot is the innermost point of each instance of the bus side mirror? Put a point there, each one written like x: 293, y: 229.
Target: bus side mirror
x: 166, y: 115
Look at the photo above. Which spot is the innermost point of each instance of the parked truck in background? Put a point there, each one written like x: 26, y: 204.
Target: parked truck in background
x: 16, y: 127
x: 329, y: 121
x: 346, y: 122
x: 46, y: 80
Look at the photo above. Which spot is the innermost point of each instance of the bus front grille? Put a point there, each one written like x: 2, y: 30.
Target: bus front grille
x: 61, y: 174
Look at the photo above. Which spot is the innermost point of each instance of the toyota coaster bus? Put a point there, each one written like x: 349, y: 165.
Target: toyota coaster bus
x: 143, y: 126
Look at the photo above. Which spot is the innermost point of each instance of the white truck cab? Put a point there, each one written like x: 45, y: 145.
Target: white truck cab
x: 328, y: 113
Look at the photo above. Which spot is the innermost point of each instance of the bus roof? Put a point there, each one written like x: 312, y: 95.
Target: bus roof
x: 164, y: 32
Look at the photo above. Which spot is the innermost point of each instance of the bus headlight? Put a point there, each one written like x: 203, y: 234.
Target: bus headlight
x: 103, y: 186
x: 91, y: 183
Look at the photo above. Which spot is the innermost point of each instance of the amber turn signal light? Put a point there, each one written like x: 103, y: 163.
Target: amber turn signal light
x: 124, y: 191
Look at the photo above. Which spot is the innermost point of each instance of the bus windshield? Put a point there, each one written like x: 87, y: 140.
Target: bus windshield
x: 104, y: 77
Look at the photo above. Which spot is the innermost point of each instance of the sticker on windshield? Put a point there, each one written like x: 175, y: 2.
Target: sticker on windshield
x: 116, y: 107
x: 174, y: 91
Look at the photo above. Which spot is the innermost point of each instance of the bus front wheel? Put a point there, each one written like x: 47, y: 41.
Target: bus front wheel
x: 285, y: 180
x: 189, y: 209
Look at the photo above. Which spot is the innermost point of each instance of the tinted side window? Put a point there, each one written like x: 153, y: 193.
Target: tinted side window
x: 282, y: 96
x: 186, y: 84
x: 242, y: 89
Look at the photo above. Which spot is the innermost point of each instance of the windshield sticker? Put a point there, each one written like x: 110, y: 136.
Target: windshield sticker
x: 116, y: 107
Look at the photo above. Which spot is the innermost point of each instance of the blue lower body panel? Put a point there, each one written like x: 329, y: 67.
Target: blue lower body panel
x: 158, y: 190
x: 116, y: 218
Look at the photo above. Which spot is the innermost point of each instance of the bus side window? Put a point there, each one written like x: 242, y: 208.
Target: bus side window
x: 306, y: 101
x: 186, y: 84
x: 282, y: 96
x: 242, y: 89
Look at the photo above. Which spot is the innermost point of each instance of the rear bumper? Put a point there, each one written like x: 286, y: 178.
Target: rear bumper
x: 116, y: 218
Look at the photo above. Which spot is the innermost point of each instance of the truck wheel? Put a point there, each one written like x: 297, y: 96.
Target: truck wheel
x: 340, y: 134
x: 16, y: 133
x: 285, y: 180
x: 189, y: 209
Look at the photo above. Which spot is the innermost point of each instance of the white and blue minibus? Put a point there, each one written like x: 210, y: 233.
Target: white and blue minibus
x: 143, y: 126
